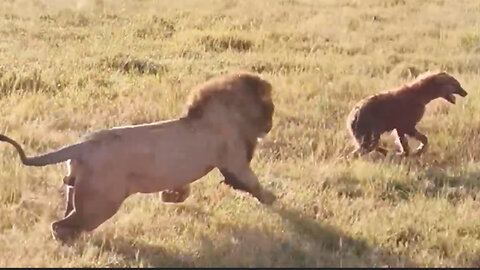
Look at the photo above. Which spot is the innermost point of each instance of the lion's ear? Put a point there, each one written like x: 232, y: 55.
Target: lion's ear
x: 263, y: 89
x: 265, y: 92
x: 254, y: 83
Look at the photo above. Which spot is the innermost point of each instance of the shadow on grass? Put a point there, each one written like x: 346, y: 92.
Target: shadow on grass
x: 139, y: 254
x: 415, y: 176
x: 303, y: 242
x: 333, y: 248
x: 453, y: 186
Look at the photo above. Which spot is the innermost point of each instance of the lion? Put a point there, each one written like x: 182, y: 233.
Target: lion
x: 225, y: 118
x: 400, y: 110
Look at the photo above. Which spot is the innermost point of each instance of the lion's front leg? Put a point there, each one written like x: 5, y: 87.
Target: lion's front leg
x: 177, y: 195
x: 246, y: 180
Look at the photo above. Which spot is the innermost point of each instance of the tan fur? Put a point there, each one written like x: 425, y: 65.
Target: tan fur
x: 225, y: 118
x: 400, y: 109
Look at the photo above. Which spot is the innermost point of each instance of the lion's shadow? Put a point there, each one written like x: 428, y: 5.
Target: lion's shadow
x: 308, y: 244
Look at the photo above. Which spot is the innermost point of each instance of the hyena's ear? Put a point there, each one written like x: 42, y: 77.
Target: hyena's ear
x: 442, y: 72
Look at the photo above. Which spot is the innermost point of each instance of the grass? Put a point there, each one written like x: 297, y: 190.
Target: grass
x: 71, y: 67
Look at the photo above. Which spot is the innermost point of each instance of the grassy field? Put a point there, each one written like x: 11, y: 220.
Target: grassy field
x: 71, y: 67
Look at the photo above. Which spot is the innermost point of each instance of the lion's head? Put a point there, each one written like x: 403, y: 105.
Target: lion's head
x: 244, y: 97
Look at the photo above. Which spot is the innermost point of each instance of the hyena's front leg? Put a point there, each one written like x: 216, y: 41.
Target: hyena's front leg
x: 423, y: 140
x: 402, y: 142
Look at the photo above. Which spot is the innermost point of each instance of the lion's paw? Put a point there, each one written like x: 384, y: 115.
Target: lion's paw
x: 267, y: 197
x: 64, y: 234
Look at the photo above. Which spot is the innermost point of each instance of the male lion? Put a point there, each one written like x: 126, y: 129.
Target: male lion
x: 400, y: 109
x: 225, y: 118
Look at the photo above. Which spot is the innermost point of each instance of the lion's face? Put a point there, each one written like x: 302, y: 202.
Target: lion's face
x: 245, y: 100
x: 260, y: 109
x: 268, y: 109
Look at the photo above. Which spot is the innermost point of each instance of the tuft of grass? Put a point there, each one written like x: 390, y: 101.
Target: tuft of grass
x: 127, y: 63
x: 223, y: 43
x: 27, y: 83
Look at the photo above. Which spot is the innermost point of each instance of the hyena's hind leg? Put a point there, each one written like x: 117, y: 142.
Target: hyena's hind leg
x: 375, y: 144
x: 177, y: 195
x: 366, y: 144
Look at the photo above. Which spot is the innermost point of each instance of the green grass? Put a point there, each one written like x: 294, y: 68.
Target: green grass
x: 70, y: 67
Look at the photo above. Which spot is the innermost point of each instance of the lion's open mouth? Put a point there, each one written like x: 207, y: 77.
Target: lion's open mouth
x: 450, y: 98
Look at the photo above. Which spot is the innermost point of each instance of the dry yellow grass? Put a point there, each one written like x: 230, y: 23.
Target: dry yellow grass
x: 71, y: 67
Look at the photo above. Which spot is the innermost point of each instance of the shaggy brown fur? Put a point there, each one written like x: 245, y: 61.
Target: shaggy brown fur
x: 225, y: 118
x: 400, y: 109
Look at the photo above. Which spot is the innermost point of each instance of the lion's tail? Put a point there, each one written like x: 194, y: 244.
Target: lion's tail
x: 63, y: 154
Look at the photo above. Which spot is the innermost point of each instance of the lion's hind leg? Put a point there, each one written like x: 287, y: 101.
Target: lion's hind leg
x: 69, y: 182
x: 69, y: 200
x: 91, y: 207
x: 73, y: 167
